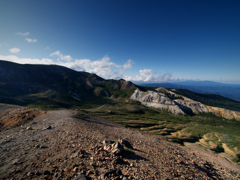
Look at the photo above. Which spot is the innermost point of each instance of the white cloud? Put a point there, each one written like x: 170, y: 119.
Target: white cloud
x: 46, y: 48
x: 57, y: 53
x: 15, y: 59
x: 128, y: 64
x: 61, y: 57
x: 148, y: 75
x: 22, y: 34
x: 104, y: 67
x: 14, y: 50
x: 31, y: 40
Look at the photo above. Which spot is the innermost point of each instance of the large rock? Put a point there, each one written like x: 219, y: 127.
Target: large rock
x: 196, y: 107
x: 180, y: 106
x: 117, y: 148
x: 156, y: 100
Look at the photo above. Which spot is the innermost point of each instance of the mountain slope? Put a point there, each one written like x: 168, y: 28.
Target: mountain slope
x: 210, y: 99
x: 178, y: 104
x: 55, y: 86
x: 227, y: 90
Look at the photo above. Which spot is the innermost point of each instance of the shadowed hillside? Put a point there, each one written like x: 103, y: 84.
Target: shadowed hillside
x: 55, y: 86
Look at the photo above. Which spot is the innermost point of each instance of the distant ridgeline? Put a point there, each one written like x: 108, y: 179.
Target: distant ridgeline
x: 231, y: 91
x: 53, y: 86
x: 210, y: 99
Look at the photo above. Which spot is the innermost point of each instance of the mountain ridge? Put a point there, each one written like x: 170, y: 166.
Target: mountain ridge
x: 58, y: 87
x: 206, y: 87
x: 18, y: 80
x: 54, y: 86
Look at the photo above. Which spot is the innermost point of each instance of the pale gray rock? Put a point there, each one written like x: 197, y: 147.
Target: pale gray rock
x: 31, y: 173
x: 29, y: 128
x: 156, y: 100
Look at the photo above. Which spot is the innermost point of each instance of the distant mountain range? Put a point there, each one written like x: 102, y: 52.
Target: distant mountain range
x: 53, y: 86
x: 206, y: 87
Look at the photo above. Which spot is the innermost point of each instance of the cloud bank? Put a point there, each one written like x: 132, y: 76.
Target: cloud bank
x: 103, y: 67
x: 148, y: 75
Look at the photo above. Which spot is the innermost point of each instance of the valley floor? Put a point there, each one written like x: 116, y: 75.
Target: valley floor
x: 62, y: 145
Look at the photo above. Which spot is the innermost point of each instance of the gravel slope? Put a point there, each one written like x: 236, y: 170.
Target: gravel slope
x: 56, y: 145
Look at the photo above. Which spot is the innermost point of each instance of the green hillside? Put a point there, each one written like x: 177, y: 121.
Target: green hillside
x: 210, y: 99
x: 204, y: 127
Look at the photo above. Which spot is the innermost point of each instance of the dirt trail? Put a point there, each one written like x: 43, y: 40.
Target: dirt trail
x: 62, y: 145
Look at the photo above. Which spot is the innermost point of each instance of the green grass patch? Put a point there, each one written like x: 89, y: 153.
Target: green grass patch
x: 127, y: 150
x: 155, y: 121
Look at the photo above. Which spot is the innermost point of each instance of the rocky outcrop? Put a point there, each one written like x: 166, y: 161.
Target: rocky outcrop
x: 156, y: 100
x: 180, y: 106
x: 196, y: 107
x: 228, y: 114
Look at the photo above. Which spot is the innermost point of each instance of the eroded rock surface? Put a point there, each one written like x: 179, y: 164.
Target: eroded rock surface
x: 180, y: 106
x: 156, y: 100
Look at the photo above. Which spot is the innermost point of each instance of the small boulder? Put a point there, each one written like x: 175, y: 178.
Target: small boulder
x: 105, y: 142
x: 48, y: 127
x: 31, y: 173
x: 43, y: 147
x: 117, y: 148
x: 29, y: 128
x: 75, y: 169
x: 37, y: 146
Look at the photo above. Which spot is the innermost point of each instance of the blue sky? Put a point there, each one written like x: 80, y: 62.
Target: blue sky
x: 151, y: 41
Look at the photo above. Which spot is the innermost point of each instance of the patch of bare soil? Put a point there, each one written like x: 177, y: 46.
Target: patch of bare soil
x: 17, y: 116
x: 72, y: 144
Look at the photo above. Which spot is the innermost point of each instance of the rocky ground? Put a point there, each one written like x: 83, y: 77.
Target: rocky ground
x: 72, y: 144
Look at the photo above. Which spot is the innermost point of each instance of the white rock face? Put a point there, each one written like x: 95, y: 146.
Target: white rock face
x: 156, y: 100
x: 195, y: 106
x: 179, y: 106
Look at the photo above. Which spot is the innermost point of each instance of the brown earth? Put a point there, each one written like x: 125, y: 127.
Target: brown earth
x: 66, y: 143
x: 14, y: 117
